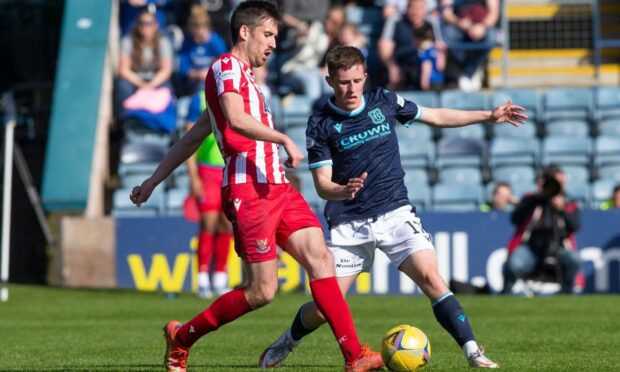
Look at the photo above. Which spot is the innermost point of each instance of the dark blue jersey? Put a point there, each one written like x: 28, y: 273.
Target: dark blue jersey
x: 361, y: 141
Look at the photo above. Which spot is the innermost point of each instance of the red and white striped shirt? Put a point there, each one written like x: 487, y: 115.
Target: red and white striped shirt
x: 247, y: 160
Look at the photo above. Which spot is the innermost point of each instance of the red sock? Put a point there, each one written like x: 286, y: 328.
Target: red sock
x: 222, y: 247
x: 205, y: 251
x: 329, y: 300
x: 225, y: 309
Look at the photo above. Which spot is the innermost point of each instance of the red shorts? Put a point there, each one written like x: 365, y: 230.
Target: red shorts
x: 211, y: 178
x: 264, y: 215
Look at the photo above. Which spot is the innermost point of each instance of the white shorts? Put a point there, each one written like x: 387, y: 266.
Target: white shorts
x: 397, y: 233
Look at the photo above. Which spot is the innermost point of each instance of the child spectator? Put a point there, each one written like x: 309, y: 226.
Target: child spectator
x: 432, y: 60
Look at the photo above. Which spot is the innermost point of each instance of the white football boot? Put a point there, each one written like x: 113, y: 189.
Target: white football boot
x: 275, y: 354
x: 479, y: 360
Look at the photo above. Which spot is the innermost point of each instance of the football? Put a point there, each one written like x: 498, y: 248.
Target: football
x: 405, y: 348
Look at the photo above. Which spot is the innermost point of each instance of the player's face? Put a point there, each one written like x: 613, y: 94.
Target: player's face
x: 262, y: 42
x: 348, y: 86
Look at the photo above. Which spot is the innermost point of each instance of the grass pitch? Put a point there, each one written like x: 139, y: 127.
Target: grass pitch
x: 51, y: 329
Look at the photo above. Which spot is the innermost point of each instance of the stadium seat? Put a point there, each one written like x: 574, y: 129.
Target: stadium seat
x: 420, y: 196
x: 460, y: 176
x: 476, y: 131
x: 447, y: 197
x: 297, y: 134
x: 420, y: 154
x: 296, y: 110
x: 609, y: 127
x: 415, y: 177
x: 606, y: 150
x: 140, y: 158
x: 601, y: 191
x: 175, y: 199
x: 506, y: 130
x: 514, y: 174
x: 276, y: 111
x: 308, y: 190
x: 505, y: 151
x: 609, y: 172
x: 458, y: 152
x: 414, y: 134
x: 521, y: 188
x: 566, y: 150
x: 568, y: 103
x: 579, y: 192
x: 136, y: 132
x: 457, y: 99
x: 123, y: 207
x: 567, y: 127
x: 530, y: 99
x: 422, y: 98
x: 576, y: 174
x: 133, y: 179
x: 607, y: 103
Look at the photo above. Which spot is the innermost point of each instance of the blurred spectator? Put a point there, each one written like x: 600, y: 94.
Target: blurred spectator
x: 350, y: 35
x: 432, y: 60
x: 614, y: 202
x: 502, y: 200
x: 130, y: 10
x: 199, y: 49
x: 260, y: 77
x: 544, y: 238
x: 145, y: 60
x: 470, y: 21
x: 301, y: 45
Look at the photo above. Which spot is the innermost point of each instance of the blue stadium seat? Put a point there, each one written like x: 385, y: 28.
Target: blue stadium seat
x: 414, y: 134
x: 568, y: 127
x: 415, y: 177
x: 276, y: 111
x: 576, y: 173
x: 133, y: 179
x: 298, y: 135
x: 140, y: 158
x: 566, y: 150
x: 609, y: 127
x: 568, y: 103
x: 420, y: 196
x: 136, y: 132
x: 296, y: 110
x: 579, y: 192
x: 446, y: 197
x: 521, y: 188
x: 607, y: 103
x: 514, y: 174
x: 506, y: 130
x: 513, y: 151
x: 457, y: 99
x: 530, y: 99
x: 601, y: 191
x: 420, y: 154
x: 175, y: 198
x: 476, y: 131
x: 123, y: 207
x: 458, y: 152
x: 606, y: 150
x: 609, y: 172
x: 422, y: 98
x: 308, y: 190
x: 460, y: 176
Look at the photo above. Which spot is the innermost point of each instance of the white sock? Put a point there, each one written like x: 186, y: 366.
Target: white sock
x: 470, y: 347
x: 203, y: 280
x: 220, y: 281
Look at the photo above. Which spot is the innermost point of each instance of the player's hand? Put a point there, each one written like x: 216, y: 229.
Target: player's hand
x: 197, y: 189
x: 295, y: 156
x: 509, y: 113
x: 141, y: 194
x: 354, y: 185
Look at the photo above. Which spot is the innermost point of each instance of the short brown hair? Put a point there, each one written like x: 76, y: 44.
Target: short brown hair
x: 252, y: 13
x: 344, y: 57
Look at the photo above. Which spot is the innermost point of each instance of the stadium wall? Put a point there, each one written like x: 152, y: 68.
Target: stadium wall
x: 158, y: 254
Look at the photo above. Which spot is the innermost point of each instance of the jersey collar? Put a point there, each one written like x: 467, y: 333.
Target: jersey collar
x: 347, y: 113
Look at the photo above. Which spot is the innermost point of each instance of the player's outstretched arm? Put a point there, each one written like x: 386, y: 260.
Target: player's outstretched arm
x: 247, y: 126
x: 329, y: 190
x: 449, y: 118
x: 181, y: 151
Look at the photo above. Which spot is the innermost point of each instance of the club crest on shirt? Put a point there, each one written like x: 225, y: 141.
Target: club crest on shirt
x: 237, y: 203
x: 338, y: 127
x: 376, y: 116
x: 262, y: 246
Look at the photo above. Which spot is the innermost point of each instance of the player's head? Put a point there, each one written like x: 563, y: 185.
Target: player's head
x: 254, y: 27
x: 347, y: 74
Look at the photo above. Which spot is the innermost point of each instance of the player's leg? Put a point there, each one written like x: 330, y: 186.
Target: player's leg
x: 223, y: 239
x: 208, y: 222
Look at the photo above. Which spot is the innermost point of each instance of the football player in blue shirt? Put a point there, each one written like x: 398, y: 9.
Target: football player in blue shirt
x: 354, y: 158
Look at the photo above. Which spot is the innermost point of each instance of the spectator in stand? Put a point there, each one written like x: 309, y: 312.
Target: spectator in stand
x: 145, y: 60
x: 131, y: 9
x: 432, y: 60
x: 199, y: 49
x: 502, y: 200
x: 350, y: 35
x: 470, y: 21
x: 614, y: 202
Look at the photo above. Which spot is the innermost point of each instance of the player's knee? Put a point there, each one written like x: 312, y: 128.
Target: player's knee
x: 261, y: 295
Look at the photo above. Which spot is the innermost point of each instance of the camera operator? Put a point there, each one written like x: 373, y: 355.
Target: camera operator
x: 545, y: 225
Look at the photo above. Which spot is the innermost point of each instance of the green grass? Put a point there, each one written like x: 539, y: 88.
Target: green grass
x: 51, y: 329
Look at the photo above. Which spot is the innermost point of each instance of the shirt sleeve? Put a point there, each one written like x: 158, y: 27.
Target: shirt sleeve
x: 319, y: 154
x: 406, y: 112
x: 227, y: 72
x: 194, y: 108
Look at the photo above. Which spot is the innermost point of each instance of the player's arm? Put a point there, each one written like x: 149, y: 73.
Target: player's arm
x: 450, y: 118
x: 181, y: 151
x: 192, y: 168
x: 247, y: 126
x: 329, y: 190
